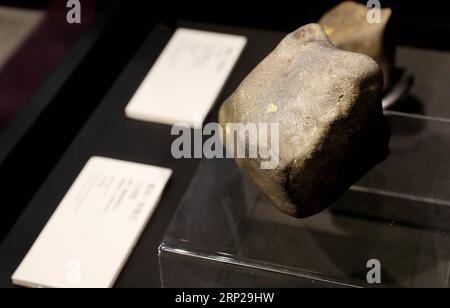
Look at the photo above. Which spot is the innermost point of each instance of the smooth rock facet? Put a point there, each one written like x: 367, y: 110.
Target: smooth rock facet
x: 350, y: 27
x: 332, y: 128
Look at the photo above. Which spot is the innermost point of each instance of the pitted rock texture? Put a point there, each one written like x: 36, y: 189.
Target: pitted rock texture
x: 332, y: 128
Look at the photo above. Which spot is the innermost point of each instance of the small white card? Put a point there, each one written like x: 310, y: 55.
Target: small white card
x: 90, y: 236
x: 187, y: 78
x: 15, y: 26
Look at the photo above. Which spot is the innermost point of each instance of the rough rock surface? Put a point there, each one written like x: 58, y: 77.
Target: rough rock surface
x: 348, y: 28
x: 332, y: 128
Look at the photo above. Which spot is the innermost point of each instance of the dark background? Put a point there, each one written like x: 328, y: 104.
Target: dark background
x: 421, y: 23
x: 425, y: 24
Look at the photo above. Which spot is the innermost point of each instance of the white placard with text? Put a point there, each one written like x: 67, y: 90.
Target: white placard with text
x: 187, y: 78
x: 90, y: 236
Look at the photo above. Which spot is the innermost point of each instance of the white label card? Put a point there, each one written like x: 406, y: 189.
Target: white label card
x: 90, y: 236
x: 15, y: 26
x: 187, y: 78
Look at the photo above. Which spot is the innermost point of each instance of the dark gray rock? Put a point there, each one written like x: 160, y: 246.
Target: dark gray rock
x: 332, y: 128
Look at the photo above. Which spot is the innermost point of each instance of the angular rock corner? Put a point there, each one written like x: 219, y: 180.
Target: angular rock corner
x: 332, y: 128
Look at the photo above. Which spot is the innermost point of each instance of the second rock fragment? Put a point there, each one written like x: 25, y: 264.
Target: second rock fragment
x: 350, y: 28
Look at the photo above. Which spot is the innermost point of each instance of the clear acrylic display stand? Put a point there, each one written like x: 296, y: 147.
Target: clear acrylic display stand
x: 227, y: 234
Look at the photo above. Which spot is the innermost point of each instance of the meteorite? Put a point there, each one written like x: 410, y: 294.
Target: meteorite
x: 327, y: 103
x: 355, y: 27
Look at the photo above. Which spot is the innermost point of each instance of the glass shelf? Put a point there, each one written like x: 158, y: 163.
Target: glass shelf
x: 227, y: 234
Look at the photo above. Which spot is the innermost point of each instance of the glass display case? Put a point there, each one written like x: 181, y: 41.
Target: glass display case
x: 227, y: 233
